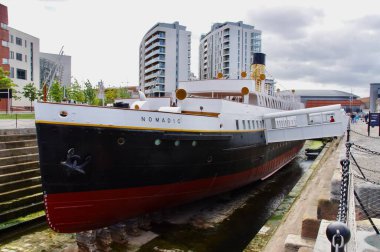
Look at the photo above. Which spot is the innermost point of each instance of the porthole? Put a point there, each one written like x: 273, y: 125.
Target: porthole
x: 157, y: 142
x: 194, y: 143
x: 209, y: 159
x: 121, y: 141
x: 176, y: 143
x: 63, y: 113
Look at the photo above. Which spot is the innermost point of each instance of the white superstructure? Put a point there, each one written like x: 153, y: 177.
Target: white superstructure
x: 24, y: 61
x: 228, y: 49
x: 164, y: 58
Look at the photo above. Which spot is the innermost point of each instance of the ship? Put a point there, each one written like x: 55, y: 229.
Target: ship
x: 103, y: 165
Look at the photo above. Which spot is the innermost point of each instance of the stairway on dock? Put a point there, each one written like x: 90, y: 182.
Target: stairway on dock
x: 21, y: 198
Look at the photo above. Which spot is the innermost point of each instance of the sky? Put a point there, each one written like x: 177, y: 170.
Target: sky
x: 310, y: 44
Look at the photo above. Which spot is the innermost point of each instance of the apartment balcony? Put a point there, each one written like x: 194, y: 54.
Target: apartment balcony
x: 153, y: 75
x: 226, y: 65
x: 157, y: 66
x: 226, y: 51
x: 226, y: 58
x: 226, y: 45
x: 154, y: 45
x: 155, y: 59
x: 226, y: 39
x: 154, y: 37
x: 161, y: 50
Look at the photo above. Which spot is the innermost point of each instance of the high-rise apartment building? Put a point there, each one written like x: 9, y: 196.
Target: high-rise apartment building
x: 164, y: 58
x: 228, y: 50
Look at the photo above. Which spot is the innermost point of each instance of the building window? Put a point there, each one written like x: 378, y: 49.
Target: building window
x: 19, y: 56
x: 21, y: 74
x: 25, y: 42
x: 4, y: 26
x: 31, y: 61
x: 4, y: 43
x: 12, y: 73
x: 11, y: 54
x: 18, y: 41
x: 26, y: 58
x: 5, y: 61
x: 11, y: 39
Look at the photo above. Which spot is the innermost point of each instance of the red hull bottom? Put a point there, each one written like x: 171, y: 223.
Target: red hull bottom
x: 79, y: 211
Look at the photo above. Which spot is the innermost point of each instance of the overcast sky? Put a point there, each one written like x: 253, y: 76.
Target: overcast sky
x: 320, y: 44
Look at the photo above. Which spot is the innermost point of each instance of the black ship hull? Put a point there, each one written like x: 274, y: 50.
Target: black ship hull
x: 94, y: 176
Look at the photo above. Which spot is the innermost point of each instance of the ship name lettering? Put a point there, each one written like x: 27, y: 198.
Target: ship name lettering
x: 161, y: 120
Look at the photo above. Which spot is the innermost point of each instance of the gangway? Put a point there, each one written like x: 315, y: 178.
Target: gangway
x: 303, y: 124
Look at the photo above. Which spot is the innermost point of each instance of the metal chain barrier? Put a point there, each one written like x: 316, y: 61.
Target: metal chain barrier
x: 365, y: 149
x: 365, y: 135
x: 365, y: 179
x: 342, y: 211
x: 366, y: 169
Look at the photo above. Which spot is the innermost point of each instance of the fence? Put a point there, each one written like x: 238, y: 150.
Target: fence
x: 360, y: 187
x: 17, y: 120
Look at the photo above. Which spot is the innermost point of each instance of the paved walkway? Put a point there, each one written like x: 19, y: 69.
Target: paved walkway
x: 20, y: 123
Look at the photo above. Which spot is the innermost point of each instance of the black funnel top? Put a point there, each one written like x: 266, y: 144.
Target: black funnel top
x: 259, y: 58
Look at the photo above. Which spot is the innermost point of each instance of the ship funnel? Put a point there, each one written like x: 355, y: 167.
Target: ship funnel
x: 259, y: 58
x: 258, y: 71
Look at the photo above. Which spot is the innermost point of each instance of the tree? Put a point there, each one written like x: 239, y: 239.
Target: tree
x: 89, y: 93
x: 56, y: 92
x: 75, y: 92
x: 7, y: 83
x: 122, y: 93
x: 31, y: 92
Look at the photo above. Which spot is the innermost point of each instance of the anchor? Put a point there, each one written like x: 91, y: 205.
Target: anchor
x: 74, y: 162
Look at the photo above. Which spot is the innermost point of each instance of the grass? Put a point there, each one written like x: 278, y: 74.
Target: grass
x: 16, y: 116
x: 21, y: 219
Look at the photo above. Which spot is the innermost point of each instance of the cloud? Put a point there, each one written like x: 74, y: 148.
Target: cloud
x: 286, y: 22
x: 346, y: 56
x: 50, y: 8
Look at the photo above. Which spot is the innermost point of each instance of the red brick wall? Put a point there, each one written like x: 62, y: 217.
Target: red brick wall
x: 319, y: 103
x: 4, y: 35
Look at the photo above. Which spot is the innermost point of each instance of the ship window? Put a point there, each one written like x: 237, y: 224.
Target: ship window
x: 249, y: 124
x: 257, y: 124
x: 243, y: 124
x: 237, y: 124
x: 176, y: 143
x: 253, y: 124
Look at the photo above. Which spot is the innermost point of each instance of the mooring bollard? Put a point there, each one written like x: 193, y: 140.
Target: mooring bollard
x: 338, y: 234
